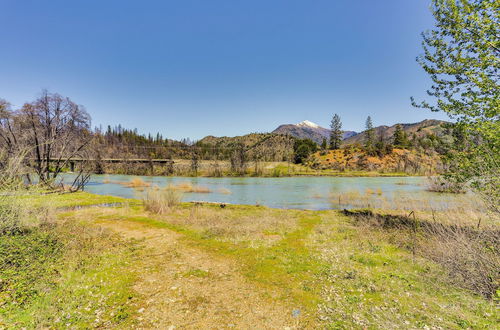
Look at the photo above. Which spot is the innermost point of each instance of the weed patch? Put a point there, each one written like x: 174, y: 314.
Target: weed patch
x: 65, y: 275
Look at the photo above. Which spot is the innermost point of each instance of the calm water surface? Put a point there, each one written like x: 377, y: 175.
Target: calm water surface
x: 314, y: 193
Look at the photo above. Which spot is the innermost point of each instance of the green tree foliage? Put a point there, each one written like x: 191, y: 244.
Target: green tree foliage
x: 382, y: 148
x: 302, y: 149
x: 462, y: 57
x: 324, y: 144
x: 336, y: 132
x: 400, y: 139
x: 369, y: 135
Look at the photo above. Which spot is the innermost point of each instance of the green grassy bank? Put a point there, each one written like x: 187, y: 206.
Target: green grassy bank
x: 69, y: 272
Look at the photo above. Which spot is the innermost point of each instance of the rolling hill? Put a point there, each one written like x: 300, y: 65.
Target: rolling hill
x: 265, y: 146
x: 420, y: 129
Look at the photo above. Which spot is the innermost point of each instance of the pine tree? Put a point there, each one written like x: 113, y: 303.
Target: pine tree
x: 324, y: 144
x: 369, y: 134
x: 336, y: 132
x: 380, y: 146
x: 400, y: 138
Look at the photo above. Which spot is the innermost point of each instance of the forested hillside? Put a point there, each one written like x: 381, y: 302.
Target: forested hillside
x: 260, y: 146
x: 419, y: 130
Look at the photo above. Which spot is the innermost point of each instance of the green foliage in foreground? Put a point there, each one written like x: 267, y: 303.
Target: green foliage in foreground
x: 26, y: 261
x: 64, y: 276
x: 69, y: 200
x: 462, y: 57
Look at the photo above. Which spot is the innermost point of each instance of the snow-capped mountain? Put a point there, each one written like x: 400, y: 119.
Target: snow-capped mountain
x: 309, y: 130
x: 307, y: 123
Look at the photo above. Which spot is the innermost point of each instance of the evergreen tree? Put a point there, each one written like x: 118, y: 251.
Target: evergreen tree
x: 302, y: 149
x: 369, y: 134
x: 380, y: 146
x: 399, y: 137
x: 336, y: 132
x: 324, y: 144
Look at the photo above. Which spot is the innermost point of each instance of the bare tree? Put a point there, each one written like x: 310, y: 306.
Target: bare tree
x: 55, y: 129
x: 7, y: 137
x: 238, y: 159
x: 195, y: 164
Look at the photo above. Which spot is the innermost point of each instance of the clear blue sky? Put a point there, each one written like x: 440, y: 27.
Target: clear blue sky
x: 190, y: 68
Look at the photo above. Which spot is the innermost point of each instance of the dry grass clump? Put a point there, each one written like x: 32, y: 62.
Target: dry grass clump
x: 440, y: 185
x: 18, y: 216
x: 402, y: 183
x: 369, y: 191
x: 187, y: 187
x: 472, y: 257
x: 468, y: 250
x: 137, y: 183
x: 161, y: 200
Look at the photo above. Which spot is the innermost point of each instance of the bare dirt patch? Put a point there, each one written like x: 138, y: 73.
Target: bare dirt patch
x: 184, y: 287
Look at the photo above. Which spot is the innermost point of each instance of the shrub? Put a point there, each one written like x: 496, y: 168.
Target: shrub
x: 187, y: 187
x: 137, y: 183
x: 469, y: 254
x: 16, y: 213
x: 12, y: 216
x: 439, y: 184
x: 161, y: 200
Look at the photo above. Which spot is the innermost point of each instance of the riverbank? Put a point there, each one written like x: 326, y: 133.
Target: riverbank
x: 207, y: 168
x: 237, y: 266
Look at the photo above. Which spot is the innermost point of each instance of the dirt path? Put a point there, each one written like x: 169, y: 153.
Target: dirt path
x: 185, y: 287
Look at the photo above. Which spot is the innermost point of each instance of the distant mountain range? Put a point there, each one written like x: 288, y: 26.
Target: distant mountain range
x: 309, y: 130
x: 420, y: 129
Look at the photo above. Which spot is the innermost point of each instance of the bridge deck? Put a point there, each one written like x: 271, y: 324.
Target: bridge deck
x: 119, y: 160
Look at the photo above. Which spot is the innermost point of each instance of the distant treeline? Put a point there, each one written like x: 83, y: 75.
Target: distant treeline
x: 119, y: 142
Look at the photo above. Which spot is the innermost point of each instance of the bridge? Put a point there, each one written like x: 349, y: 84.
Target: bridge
x: 73, y: 161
